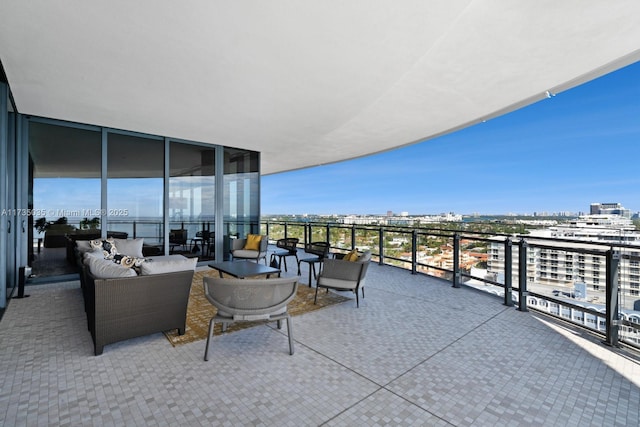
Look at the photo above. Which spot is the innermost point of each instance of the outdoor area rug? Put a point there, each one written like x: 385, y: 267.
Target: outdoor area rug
x: 200, y: 311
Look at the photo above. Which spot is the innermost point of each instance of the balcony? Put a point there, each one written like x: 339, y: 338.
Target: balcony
x: 612, y: 311
x: 418, y: 351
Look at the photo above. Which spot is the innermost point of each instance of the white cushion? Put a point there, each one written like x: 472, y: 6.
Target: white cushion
x: 338, y: 283
x: 243, y: 253
x: 168, y: 264
x: 95, y: 253
x: 83, y: 245
x: 131, y: 247
x: 107, y: 269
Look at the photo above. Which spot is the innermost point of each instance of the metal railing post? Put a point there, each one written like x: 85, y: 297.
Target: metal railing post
x: 329, y: 235
x: 286, y: 231
x: 381, y: 245
x: 613, y: 321
x: 522, y: 275
x: 456, y: 260
x: 353, y: 236
x: 508, y: 268
x: 414, y: 252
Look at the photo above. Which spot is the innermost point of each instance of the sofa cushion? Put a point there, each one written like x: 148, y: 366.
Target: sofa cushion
x: 84, y: 246
x: 131, y: 247
x: 338, y: 283
x: 93, y: 252
x: 243, y: 253
x: 107, y: 269
x: 253, y: 242
x: 168, y: 264
x: 108, y: 247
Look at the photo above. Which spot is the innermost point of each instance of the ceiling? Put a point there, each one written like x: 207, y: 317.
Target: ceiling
x: 305, y: 82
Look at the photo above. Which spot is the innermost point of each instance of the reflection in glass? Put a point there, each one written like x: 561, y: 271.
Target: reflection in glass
x: 64, y: 197
x: 241, y: 193
x: 192, y: 199
x: 135, y: 169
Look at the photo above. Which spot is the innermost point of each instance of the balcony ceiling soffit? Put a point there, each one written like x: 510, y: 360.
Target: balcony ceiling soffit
x: 305, y: 83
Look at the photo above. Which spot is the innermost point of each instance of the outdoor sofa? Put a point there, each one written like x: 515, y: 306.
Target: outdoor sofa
x: 126, y: 302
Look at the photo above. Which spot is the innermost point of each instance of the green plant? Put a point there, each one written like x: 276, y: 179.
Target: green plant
x: 61, y: 220
x: 41, y: 225
x: 92, y: 223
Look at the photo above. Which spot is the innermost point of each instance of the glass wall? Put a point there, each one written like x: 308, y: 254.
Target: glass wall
x: 135, y: 188
x: 64, y: 169
x: 171, y: 193
x: 192, y: 204
x: 241, y: 193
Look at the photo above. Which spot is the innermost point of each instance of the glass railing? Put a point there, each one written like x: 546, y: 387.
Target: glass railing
x: 595, y: 285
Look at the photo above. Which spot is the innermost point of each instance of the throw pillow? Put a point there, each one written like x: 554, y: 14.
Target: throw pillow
x: 253, y: 242
x: 105, y: 269
x: 108, y: 247
x: 128, y: 261
x: 131, y: 247
x: 351, y: 256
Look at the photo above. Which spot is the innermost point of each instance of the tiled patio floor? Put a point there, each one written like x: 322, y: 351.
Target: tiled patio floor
x: 416, y: 352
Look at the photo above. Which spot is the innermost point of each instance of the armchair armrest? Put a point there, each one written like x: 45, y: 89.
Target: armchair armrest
x: 264, y: 243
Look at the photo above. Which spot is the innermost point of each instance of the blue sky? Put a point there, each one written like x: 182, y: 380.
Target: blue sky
x: 560, y: 154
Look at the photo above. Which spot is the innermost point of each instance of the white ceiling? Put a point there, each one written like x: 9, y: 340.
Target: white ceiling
x: 305, y: 82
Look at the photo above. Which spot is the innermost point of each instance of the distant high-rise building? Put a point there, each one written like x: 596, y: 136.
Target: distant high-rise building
x: 609, y: 209
x: 561, y: 268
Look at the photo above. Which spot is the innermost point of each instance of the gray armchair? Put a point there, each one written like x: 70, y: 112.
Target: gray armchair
x: 344, y: 275
x: 239, y: 250
x: 248, y: 300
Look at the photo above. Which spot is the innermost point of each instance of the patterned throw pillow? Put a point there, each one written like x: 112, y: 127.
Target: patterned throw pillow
x: 107, y: 246
x: 128, y: 261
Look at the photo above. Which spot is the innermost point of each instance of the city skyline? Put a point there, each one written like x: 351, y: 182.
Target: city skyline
x: 558, y: 155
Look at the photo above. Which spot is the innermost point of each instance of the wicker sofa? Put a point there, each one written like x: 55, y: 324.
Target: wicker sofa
x: 121, y: 303
x: 122, y: 308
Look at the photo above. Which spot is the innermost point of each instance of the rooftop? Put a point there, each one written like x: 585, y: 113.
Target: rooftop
x: 416, y: 352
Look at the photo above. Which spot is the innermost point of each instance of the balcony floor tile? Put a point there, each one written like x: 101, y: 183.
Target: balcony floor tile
x: 416, y: 352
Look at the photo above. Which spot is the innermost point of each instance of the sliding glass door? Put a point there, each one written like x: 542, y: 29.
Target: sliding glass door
x: 64, y: 171
x: 241, y: 192
x: 135, y: 182
x: 87, y: 182
x: 192, y: 191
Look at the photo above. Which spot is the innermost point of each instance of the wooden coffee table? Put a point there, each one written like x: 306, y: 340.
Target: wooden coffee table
x: 242, y: 269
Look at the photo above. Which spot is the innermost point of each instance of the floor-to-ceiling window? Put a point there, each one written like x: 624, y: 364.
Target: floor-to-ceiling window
x: 90, y: 182
x: 192, y: 199
x: 10, y: 217
x: 64, y: 200
x: 241, y: 192
x: 135, y: 183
